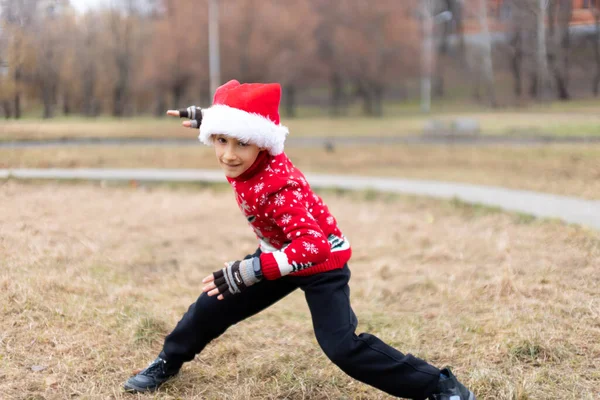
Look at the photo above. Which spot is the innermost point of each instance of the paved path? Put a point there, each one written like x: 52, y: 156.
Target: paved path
x: 569, y: 209
x: 318, y: 141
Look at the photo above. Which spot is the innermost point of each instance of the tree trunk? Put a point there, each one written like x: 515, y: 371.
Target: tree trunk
x: 363, y: 91
x: 178, y: 90
x: 205, y: 96
x: 427, y: 55
x: 245, y: 57
x: 516, y: 62
x: 561, y: 87
x: 161, y: 106
x: 66, y: 104
x: 88, y: 88
x: 378, y: 100
x: 49, y: 86
x: 17, y: 105
x: 118, y: 101
x: 477, y: 89
x: 48, y: 98
x: 533, y: 87
x: 337, y: 94
x: 48, y: 110
x: 541, y: 49
x: 120, y: 91
x: 456, y: 7
x: 17, y: 98
x: 6, y: 108
x: 487, y: 65
x: 438, y: 79
x: 290, y: 100
x: 123, y: 58
x: 596, y: 44
x: 558, y: 54
x: 372, y: 96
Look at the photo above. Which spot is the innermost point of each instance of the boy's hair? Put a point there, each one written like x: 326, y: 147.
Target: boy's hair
x: 248, y: 112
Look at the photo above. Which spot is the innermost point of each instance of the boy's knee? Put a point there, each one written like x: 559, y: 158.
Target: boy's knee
x: 338, y: 350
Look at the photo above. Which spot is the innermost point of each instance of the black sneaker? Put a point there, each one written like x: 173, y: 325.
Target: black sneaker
x: 148, y: 380
x: 451, y: 389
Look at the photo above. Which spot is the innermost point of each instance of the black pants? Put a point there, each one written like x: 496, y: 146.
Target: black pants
x: 363, y: 357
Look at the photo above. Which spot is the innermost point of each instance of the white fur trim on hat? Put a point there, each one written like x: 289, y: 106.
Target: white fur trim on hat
x: 244, y: 126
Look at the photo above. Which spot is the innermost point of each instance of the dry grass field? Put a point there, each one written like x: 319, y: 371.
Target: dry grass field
x: 579, y: 118
x: 572, y: 170
x: 92, y: 277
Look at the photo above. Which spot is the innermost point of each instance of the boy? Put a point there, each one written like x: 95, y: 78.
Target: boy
x: 301, y: 246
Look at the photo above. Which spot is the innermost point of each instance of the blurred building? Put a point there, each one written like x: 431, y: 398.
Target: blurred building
x: 583, y: 12
x: 501, y: 13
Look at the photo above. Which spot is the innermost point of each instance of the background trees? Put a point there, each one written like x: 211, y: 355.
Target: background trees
x: 143, y: 56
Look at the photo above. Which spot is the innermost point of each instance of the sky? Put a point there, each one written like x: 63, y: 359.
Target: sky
x: 84, y: 5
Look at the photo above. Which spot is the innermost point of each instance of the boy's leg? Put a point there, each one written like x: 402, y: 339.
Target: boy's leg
x: 363, y: 357
x: 206, y: 319
x: 209, y: 317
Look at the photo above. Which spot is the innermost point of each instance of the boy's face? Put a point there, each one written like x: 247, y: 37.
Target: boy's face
x: 234, y: 157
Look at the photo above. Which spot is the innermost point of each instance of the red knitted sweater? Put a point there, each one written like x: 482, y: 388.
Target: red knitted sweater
x: 297, y: 233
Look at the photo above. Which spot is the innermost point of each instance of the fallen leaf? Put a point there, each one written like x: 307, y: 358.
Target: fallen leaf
x: 51, y: 381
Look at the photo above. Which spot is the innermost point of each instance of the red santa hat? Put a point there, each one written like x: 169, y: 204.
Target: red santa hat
x: 248, y: 112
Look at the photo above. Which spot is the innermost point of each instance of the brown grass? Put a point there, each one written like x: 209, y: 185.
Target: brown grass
x: 571, y: 170
x: 579, y: 120
x: 94, y: 276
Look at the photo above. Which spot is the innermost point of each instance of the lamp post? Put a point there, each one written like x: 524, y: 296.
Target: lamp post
x: 213, y: 45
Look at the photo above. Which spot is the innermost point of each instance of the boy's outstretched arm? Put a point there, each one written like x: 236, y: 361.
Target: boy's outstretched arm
x: 192, y: 112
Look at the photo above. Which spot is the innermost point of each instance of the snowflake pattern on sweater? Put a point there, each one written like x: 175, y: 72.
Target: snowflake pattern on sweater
x: 294, y: 226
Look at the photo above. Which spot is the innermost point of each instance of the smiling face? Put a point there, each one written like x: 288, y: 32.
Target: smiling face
x: 234, y: 157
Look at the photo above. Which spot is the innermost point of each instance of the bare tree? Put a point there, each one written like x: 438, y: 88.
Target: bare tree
x: 446, y: 24
x: 596, y: 47
x: 243, y: 39
x: 486, y: 51
x: 457, y: 8
x: 178, y: 65
x: 19, y: 17
x: 121, y: 28
x: 427, y: 53
x: 328, y: 14
x: 560, y: 13
x: 516, y: 46
x: 542, y: 52
x: 529, y: 48
x: 89, y: 51
x: 377, y: 42
x: 142, y: 55
x: 291, y: 47
x: 6, y: 89
x: 478, y: 58
x: 49, y: 56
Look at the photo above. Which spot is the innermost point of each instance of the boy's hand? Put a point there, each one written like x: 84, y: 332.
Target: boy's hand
x: 233, y: 279
x: 192, y: 112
